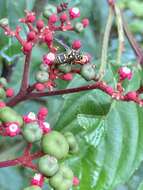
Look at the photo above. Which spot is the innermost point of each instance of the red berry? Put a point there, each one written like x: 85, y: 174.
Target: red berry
x: 67, y: 76
x: 39, y: 24
x: 27, y: 47
x: 85, y: 22
x: 74, y: 12
x: 43, y: 111
x: 31, y: 36
x: 53, y: 18
x: 30, y: 17
x: 2, y: 104
x: 75, y: 181
x: 9, y: 92
x: 48, y: 38
x: 39, y: 87
x: 76, y: 44
x: 131, y: 96
x: 63, y: 17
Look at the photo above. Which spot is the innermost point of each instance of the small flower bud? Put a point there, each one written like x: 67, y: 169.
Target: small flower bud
x: 39, y: 87
x: 131, y: 96
x: 38, y: 180
x: 53, y: 18
x: 43, y: 112
x: 31, y: 36
x: 12, y: 130
x: 67, y: 76
x: 49, y: 10
x: 30, y: 117
x: 2, y: 104
x: 27, y: 47
x: 45, y: 127
x: 48, y: 38
x: 49, y: 58
x: 63, y: 17
x: 30, y: 17
x: 39, y: 24
x: 76, y: 181
x: 74, y: 12
x: 85, y: 22
x: 125, y: 73
x: 76, y: 44
x: 9, y: 92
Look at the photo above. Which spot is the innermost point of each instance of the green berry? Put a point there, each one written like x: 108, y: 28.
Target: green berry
x: 49, y: 10
x: 2, y: 93
x: 32, y: 132
x: 4, y: 21
x: 73, y: 145
x: 48, y: 165
x: 42, y: 76
x: 65, y: 68
x: 44, y: 67
x: 33, y: 187
x: 3, y: 82
x: 62, y: 180
x: 88, y: 72
x: 7, y: 114
x: 79, y: 27
x: 55, y: 144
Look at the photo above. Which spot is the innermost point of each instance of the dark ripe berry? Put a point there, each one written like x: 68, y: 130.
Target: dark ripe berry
x: 63, y: 179
x: 32, y: 132
x: 7, y: 114
x: 55, y: 144
x: 76, y: 44
x: 27, y: 47
x: 63, y: 17
x: 42, y: 76
x: 33, y: 187
x: 85, y: 22
x: 39, y: 24
x: 48, y: 165
x: 31, y: 36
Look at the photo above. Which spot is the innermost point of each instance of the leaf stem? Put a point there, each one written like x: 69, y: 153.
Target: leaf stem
x: 105, y: 43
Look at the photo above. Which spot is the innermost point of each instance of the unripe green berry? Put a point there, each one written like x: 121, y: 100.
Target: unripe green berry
x: 33, y: 187
x: 55, y: 144
x: 32, y: 132
x: 42, y: 76
x: 2, y: 93
x: 62, y: 180
x: 7, y: 114
x: 44, y: 67
x: 48, y: 165
x: 73, y: 145
x: 3, y: 82
x: 49, y: 10
x: 4, y: 21
x: 65, y: 68
x: 79, y: 27
x: 88, y: 71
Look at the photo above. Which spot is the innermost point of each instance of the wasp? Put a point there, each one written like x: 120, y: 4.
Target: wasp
x: 71, y: 57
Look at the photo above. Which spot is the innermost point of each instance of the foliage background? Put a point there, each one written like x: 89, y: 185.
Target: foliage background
x: 110, y: 133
